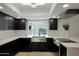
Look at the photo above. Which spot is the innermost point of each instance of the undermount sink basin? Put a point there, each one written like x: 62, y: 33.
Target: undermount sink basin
x: 38, y: 39
x: 64, y: 40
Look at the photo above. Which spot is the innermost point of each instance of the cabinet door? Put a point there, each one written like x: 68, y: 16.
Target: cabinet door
x: 43, y: 46
x: 10, y: 24
x: 63, y: 50
x: 2, y: 21
x: 6, y: 22
x: 53, y: 22
x: 22, y: 24
x: 35, y: 46
x: 1, y: 24
x: 19, y: 24
x: 51, y: 45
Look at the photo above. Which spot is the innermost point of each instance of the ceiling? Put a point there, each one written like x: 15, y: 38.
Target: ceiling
x: 59, y: 9
x: 41, y: 12
x: 28, y: 9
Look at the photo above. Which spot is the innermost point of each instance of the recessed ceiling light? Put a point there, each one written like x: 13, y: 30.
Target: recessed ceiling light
x: 18, y: 17
x: 40, y: 3
x: 25, y: 3
x: 33, y: 5
x: 65, y: 5
x: 1, y: 7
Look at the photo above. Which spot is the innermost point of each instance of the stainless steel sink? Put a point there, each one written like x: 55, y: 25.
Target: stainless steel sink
x: 64, y: 40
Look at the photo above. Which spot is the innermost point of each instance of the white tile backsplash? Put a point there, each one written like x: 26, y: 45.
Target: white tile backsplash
x: 73, y: 30
x: 6, y: 33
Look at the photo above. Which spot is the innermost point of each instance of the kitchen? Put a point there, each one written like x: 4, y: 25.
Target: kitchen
x: 38, y: 27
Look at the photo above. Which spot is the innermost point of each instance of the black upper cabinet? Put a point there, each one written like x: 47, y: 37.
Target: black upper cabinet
x: 6, y: 22
x: 19, y: 24
x: 53, y: 23
x: 10, y: 23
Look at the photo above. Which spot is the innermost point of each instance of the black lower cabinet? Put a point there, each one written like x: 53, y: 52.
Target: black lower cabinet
x: 25, y: 45
x: 18, y: 45
x: 39, y: 46
x: 35, y: 46
x: 63, y: 50
x: 45, y: 46
x: 7, y: 50
x: 52, y: 47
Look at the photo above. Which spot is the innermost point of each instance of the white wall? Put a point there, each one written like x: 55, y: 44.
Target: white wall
x: 73, y: 30
x: 6, y: 33
x: 73, y: 26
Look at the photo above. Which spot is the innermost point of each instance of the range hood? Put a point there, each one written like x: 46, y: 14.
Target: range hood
x: 69, y: 13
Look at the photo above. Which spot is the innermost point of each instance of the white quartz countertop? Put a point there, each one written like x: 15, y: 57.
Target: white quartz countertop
x: 68, y: 45
x: 6, y: 40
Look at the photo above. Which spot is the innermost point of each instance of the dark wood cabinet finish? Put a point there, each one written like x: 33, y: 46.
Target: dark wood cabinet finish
x: 35, y: 46
x: 63, y: 50
x: 10, y: 23
x: 39, y: 46
x: 19, y: 24
x: 53, y: 23
x: 8, y: 50
x: 52, y: 47
x: 45, y: 46
x: 25, y: 45
x: 18, y: 45
x: 6, y: 22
